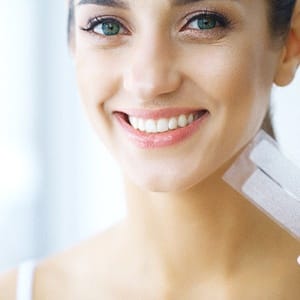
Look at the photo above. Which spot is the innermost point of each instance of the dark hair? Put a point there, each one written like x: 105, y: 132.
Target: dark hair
x: 70, y: 20
x: 280, y: 14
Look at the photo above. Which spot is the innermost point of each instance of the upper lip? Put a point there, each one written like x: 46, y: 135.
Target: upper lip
x: 156, y: 114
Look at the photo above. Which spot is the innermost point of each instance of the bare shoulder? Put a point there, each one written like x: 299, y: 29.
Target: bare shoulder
x: 78, y: 270
x: 8, y: 285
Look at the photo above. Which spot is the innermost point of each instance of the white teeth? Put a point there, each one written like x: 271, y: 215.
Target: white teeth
x: 162, y: 125
x: 134, y: 122
x: 141, y: 125
x: 173, y: 124
x: 182, y: 121
x: 150, y: 126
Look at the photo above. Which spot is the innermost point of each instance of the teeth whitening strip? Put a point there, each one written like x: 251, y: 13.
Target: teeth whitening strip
x: 270, y: 181
x: 274, y: 201
x: 269, y: 159
x: 275, y: 186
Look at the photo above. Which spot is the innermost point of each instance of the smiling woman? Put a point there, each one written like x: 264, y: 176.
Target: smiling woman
x: 176, y: 90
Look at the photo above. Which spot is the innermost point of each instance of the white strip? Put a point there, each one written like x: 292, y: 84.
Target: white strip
x: 25, y: 280
x: 268, y: 158
x: 272, y: 199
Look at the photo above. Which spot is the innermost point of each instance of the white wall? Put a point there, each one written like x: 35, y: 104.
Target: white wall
x: 287, y: 118
x: 20, y: 170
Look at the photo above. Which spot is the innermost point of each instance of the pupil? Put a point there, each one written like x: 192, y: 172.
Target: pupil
x: 207, y: 23
x: 110, y: 28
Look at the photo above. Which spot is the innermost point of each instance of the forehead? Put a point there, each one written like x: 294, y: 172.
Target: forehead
x: 127, y: 3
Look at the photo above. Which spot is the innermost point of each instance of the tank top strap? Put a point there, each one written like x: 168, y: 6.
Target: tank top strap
x: 25, y: 280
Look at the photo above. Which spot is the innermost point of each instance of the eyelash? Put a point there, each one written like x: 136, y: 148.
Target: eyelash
x: 219, y: 19
x: 94, y: 22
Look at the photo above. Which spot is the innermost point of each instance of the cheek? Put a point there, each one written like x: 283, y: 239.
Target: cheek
x: 236, y: 80
x: 227, y: 76
x: 98, y: 82
x: 97, y: 77
x: 236, y: 85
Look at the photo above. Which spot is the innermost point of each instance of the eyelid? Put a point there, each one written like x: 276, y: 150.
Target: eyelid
x: 95, y: 21
x: 221, y: 18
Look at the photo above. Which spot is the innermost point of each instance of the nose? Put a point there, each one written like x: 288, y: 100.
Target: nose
x: 152, y: 71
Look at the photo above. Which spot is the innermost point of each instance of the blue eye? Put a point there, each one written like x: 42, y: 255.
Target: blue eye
x: 105, y: 26
x: 108, y: 28
x: 207, y: 21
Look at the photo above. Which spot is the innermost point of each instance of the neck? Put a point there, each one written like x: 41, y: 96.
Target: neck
x: 208, y: 227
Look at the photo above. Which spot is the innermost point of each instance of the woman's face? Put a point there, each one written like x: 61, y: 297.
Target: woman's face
x: 174, y: 88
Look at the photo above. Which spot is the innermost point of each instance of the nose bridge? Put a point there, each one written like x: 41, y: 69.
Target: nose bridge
x: 152, y: 70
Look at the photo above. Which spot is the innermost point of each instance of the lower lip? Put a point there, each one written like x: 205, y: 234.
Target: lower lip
x: 157, y: 140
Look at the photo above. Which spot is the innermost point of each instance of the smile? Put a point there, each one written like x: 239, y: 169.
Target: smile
x: 155, y: 129
x: 163, y: 124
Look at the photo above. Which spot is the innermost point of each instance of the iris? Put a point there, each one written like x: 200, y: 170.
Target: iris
x: 207, y: 22
x: 110, y: 28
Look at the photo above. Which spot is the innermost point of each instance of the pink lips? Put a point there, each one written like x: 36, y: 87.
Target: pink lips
x: 156, y: 140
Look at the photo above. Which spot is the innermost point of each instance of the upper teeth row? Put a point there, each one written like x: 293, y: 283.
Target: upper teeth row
x: 161, y: 125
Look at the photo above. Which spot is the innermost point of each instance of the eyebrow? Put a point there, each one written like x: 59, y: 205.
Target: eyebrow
x: 111, y: 3
x: 122, y: 4
x: 184, y: 2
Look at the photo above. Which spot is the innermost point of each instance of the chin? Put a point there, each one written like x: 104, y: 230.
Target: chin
x: 161, y: 178
x: 167, y: 183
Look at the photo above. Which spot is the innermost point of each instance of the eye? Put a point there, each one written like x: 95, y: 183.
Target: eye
x: 105, y: 26
x: 207, y: 21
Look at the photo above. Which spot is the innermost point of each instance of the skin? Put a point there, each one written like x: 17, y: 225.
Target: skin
x: 152, y: 75
x: 187, y: 235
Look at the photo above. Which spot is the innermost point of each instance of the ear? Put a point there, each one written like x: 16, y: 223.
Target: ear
x: 290, y: 55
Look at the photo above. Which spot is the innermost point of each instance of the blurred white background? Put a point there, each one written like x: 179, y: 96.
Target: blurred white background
x: 55, y: 176
x: 58, y: 185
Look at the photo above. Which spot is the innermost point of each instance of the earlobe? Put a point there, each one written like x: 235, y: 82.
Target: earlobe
x: 290, y: 55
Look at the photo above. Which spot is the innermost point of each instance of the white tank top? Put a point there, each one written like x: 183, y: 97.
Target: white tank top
x: 25, y: 280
